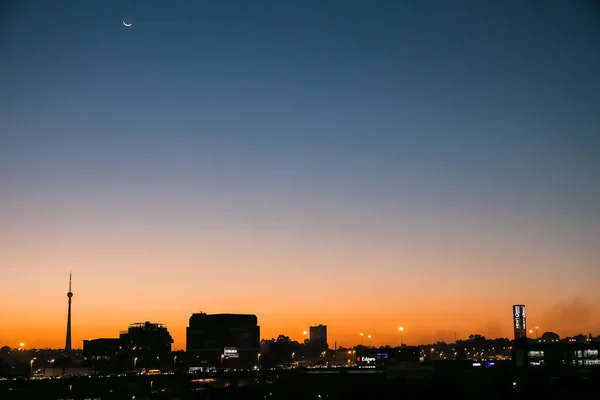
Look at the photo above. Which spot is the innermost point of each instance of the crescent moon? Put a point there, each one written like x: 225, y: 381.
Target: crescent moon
x: 126, y: 24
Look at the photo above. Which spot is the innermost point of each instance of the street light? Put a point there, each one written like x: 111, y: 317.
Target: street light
x: 222, y: 357
x: 536, y: 332
x: 135, y: 363
x: 361, y: 338
x: 174, y: 363
x: 530, y: 332
x: 258, y: 360
x: 401, y: 329
x: 369, y: 340
x: 304, y: 333
x: 293, y: 354
x: 31, y: 365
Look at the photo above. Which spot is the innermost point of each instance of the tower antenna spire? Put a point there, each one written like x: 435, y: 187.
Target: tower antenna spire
x: 68, y: 338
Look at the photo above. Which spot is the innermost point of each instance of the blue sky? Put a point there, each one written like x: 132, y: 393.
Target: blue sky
x: 493, y: 99
x: 456, y: 116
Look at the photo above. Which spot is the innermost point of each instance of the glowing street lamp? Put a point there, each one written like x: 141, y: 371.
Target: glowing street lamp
x: 135, y: 363
x: 536, y: 332
x: 304, y: 333
x: 293, y: 354
x: 361, y: 338
x: 369, y: 340
x: 401, y: 329
x: 31, y: 365
x: 258, y: 360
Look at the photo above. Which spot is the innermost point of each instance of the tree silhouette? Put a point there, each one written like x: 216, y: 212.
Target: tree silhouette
x: 549, y: 336
x: 283, y: 339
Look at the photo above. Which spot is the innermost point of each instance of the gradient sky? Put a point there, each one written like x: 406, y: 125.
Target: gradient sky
x: 361, y: 164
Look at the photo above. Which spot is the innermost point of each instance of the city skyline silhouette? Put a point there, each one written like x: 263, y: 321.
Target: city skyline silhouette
x: 532, y: 332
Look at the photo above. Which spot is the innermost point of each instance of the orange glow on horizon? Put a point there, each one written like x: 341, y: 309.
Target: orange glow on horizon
x: 371, y: 287
x: 343, y: 327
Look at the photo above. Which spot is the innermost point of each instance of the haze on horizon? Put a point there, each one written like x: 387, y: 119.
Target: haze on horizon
x: 365, y: 165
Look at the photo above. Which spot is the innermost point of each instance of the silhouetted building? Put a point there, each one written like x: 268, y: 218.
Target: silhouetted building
x: 223, y: 340
x: 68, y: 339
x: 557, y: 354
x: 147, y: 337
x: 102, y: 353
x: 73, y: 370
x: 408, y: 354
x: 143, y: 345
x: 149, y: 344
x: 520, y: 332
x: 318, y: 337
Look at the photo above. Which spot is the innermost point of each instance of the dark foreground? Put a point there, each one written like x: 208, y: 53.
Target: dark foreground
x: 508, y: 384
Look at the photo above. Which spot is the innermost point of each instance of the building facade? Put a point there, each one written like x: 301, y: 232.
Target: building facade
x: 563, y: 353
x: 143, y: 345
x: 223, y: 340
x: 318, y: 337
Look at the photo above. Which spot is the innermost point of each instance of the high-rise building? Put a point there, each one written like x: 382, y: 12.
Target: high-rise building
x: 519, y: 322
x: 223, y: 340
x: 318, y: 337
x: 142, y: 345
x: 68, y: 340
x: 147, y: 337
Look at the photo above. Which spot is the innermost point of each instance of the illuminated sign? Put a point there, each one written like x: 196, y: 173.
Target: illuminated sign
x: 382, y: 355
x: 230, y: 352
x: 519, y: 321
x: 368, y: 359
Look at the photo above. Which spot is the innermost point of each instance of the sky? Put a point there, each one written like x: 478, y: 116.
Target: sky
x: 361, y: 164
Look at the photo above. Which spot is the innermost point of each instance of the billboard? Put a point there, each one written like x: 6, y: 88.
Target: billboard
x: 230, y: 352
x: 519, y: 321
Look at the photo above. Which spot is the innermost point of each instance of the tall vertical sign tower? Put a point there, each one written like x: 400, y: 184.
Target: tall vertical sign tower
x: 519, y: 322
x: 520, y: 343
x: 68, y: 341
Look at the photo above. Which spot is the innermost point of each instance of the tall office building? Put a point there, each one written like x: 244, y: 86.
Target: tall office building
x: 147, y: 337
x: 68, y: 340
x: 227, y: 340
x: 142, y: 345
x: 318, y: 337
